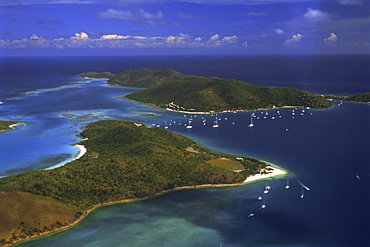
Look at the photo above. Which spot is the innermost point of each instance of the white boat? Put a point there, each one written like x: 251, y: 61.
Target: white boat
x: 302, y: 195
x: 287, y: 186
x: 260, y: 198
x: 189, y: 126
x: 251, y: 213
x: 263, y: 204
x: 267, y: 187
x: 251, y: 124
x: 215, y: 124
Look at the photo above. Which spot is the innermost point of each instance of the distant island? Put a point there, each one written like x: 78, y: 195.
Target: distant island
x: 7, y: 125
x: 172, y: 90
x: 360, y: 98
x: 125, y: 161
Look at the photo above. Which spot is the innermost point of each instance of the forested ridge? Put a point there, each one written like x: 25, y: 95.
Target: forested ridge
x: 125, y: 160
x: 215, y: 94
x: 166, y: 88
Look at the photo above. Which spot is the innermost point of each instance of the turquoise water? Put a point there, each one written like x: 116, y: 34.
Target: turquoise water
x: 324, y: 149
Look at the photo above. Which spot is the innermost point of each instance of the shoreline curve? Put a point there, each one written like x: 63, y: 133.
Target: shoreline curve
x: 270, y: 172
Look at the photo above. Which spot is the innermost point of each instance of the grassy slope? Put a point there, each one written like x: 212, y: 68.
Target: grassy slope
x: 123, y: 161
x: 24, y: 214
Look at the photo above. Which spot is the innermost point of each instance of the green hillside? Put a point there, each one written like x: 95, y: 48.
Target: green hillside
x: 209, y: 94
x: 102, y: 75
x: 125, y: 160
x: 196, y: 93
x: 363, y: 97
x: 140, y: 78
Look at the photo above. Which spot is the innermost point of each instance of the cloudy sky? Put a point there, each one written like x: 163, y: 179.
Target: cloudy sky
x: 148, y: 27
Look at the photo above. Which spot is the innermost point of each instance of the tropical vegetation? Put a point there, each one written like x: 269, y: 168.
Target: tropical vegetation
x: 125, y: 160
x: 175, y: 91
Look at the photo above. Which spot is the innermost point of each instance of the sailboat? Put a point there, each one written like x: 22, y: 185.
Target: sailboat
x: 251, y: 124
x: 267, y: 186
x: 215, y: 125
x: 251, y: 214
x: 189, y: 126
x: 263, y: 204
x: 302, y: 195
x: 287, y: 186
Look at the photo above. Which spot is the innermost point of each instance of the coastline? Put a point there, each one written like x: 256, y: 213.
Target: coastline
x: 81, y: 152
x: 235, y: 111
x: 272, y: 171
x: 10, y: 127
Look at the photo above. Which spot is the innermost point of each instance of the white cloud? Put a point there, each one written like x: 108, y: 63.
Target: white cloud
x: 350, y: 2
x: 145, y: 15
x: 112, y: 41
x: 294, y: 41
x: 214, y: 37
x: 113, y: 36
x: 117, y: 14
x: 140, y: 17
x: 34, y: 37
x: 128, y: 15
x: 279, y: 31
x: 331, y: 39
x: 80, y: 36
x: 316, y: 15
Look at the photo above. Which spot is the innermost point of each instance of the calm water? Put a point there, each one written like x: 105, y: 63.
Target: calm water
x: 324, y: 149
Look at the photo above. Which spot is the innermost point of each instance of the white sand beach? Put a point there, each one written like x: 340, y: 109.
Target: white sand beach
x: 82, y: 149
x: 270, y: 172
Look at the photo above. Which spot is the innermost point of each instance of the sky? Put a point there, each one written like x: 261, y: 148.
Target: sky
x: 183, y: 27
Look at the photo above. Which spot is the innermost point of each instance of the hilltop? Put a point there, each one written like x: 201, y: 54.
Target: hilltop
x: 175, y: 91
x: 362, y: 97
x: 140, y: 78
x: 125, y: 160
x: 215, y: 94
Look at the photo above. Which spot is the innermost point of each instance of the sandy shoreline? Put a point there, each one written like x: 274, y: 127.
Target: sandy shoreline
x: 271, y: 173
x: 82, y: 149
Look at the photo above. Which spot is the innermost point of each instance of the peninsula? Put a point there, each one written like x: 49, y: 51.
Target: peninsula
x: 125, y: 161
x: 174, y: 91
x: 7, y: 125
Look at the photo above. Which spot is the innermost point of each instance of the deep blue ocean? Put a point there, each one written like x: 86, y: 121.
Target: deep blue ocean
x: 327, y: 150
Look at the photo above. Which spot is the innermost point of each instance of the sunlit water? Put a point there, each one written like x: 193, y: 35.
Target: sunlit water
x: 324, y: 149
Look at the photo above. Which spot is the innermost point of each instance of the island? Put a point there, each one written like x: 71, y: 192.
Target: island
x: 125, y: 161
x: 174, y: 91
x: 7, y: 125
x: 360, y: 98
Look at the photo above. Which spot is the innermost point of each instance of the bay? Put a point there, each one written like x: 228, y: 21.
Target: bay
x: 324, y: 149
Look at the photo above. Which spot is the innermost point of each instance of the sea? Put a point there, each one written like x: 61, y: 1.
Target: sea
x: 326, y: 152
